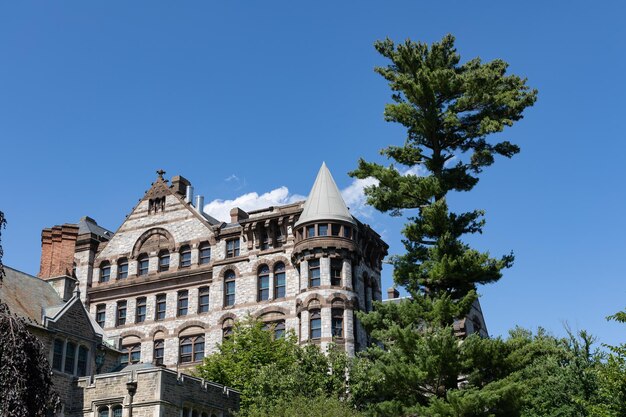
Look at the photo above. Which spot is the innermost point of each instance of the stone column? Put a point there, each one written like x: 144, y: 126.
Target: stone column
x: 153, y: 263
x: 346, y: 273
x: 304, y: 326
x: 348, y: 330
x: 325, y: 271
x: 304, y: 275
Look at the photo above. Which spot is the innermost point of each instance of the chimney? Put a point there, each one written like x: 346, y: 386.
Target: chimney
x: 180, y: 185
x: 199, y: 203
x: 392, y: 292
x: 57, y: 250
x: 189, y: 194
x: 237, y: 214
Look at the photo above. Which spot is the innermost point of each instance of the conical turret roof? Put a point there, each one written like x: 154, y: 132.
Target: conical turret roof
x: 324, y: 201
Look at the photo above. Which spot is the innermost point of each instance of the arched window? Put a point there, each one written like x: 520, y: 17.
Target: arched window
x: 337, y: 322
x: 336, y: 265
x: 227, y: 328
x: 263, y: 276
x: 185, y: 256
x: 314, y: 273
x: 315, y: 324
x: 229, y: 288
x: 204, y: 255
x: 279, y: 329
x: 279, y: 280
x: 132, y: 353
x: 164, y: 261
x: 142, y: 264
x: 117, y: 411
x: 122, y: 268
x: 103, y: 412
x: 159, y: 352
x: 105, y: 272
x: 191, y: 349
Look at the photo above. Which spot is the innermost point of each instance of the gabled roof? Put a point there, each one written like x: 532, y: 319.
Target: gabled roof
x: 26, y: 295
x: 324, y: 201
x: 88, y: 225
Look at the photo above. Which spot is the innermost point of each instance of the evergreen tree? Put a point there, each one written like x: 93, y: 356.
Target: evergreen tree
x: 449, y: 109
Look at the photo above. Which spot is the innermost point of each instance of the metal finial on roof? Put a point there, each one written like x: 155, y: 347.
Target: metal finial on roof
x: 324, y: 201
x: 160, y: 173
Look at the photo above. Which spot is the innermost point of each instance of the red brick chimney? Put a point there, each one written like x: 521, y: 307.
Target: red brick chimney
x: 57, y: 250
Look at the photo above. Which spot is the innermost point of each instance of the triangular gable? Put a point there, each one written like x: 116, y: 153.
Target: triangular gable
x: 72, y: 318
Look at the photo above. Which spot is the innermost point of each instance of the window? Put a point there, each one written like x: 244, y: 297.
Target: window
x: 232, y: 248
x: 57, y: 358
x: 279, y: 280
x: 337, y: 322
x: 336, y: 265
x: 120, y: 319
x: 101, y: 314
x: 315, y: 324
x: 279, y: 330
x: 117, y: 411
x: 204, y: 256
x: 159, y: 352
x: 310, y: 231
x: 81, y: 365
x: 70, y: 355
x: 347, y: 232
x: 227, y: 328
x: 185, y: 257
x: 265, y: 240
x: 161, y: 300
x: 203, y: 300
x: 122, y: 268
x: 103, y: 412
x: 322, y: 229
x: 164, y: 261
x: 105, y: 272
x: 142, y: 265
x: 132, y: 354
x: 264, y: 282
x: 335, y: 229
x: 314, y: 273
x: 280, y: 239
x: 140, y: 311
x: 229, y: 288
x: 191, y: 349
x: 183, y: 303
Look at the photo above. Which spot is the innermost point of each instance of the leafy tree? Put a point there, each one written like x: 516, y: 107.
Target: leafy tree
x: 25, y: 375
x: 268, y: 371
x: 307, y: 407
x: 449, y: 109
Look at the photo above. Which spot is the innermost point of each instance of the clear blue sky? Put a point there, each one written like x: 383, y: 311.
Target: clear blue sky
x: 243, y: 97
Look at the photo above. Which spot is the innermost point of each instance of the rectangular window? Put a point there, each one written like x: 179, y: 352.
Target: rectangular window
x: 232, y: 248
x: 101, y: 314
x: 314, y: 273
x: 310, y: 231
x: 121, y: 313
x: 185, y: 258
x: 316, y: 325
x: 205, y: 254
x: 160, y: 307
x: 322, y: 229
x: 335, y: 229
x: 140, y: 311
x: 57, y: 359
x: 183, y: 303
x: 70, y: 355
x: 122, y: 270
x: 105, y: 273
x: 142, y: 266
x: 279, y: 291
x: 337, y: 322
x: 164, y: 262
x: 203, y: 300
x: 347, y: 232
x: 159, y: 352
x: 230, y: 293
x: 335, y: 272
x: 264, y: 287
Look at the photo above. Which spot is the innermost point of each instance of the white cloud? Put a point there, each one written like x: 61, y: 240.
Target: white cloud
x: 220, y: 209
x: 355, y: 198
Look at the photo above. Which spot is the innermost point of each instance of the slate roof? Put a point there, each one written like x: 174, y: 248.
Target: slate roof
x: 324, y: 201
x: 26, y: 295
x: 88, y: 225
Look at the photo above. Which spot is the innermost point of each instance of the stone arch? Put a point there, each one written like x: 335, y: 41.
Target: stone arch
x: 271, y: 309
x: 225, y: 317
x: 154, y: 234
x: 159, y: 328
x: 227, y: 268
x: 135, y: 333
x: 189, y: 323
x: 312, y: 297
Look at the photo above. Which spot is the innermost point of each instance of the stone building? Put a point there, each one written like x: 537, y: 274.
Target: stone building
x: 167, y: 286
x: 87, y: 373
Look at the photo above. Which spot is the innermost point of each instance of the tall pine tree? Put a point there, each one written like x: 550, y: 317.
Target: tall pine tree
x: 449, y: 110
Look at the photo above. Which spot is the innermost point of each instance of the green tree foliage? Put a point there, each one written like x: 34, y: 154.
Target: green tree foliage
x: 307, y: 407
x: 25, y: 375
x: 449, y: 110
x: 269, y: 371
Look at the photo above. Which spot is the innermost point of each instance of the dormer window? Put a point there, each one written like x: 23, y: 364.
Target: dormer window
x: 105, y: 272
x: 164, y: 261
